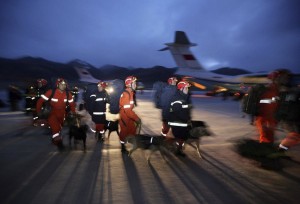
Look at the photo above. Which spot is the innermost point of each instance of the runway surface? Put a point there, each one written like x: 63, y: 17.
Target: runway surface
x: 33, y: 171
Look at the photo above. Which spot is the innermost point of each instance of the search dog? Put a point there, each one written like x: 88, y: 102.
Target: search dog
x: 111, y: 126
x: 77, y: 132
x: 198, y: 129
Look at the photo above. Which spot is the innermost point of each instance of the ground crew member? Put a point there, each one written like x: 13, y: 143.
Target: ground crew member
x: 268, y: 105
x: 98, y: 101
x: 58, y: 102
x: 166, y: 96
x: 180, y: 115
x: 128, y: 118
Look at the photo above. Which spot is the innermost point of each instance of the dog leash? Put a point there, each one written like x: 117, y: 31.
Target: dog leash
x: 139, y: 127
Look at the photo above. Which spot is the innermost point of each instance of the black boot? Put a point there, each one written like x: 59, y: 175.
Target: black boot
x: 123, y: 149
x: 96, y: 135
x: 101, y: 137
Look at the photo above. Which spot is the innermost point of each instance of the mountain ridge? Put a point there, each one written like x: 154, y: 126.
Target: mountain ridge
x: 26, y: 70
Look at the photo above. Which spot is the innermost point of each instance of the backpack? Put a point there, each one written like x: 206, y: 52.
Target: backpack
x: 289, y: 106
x: 158, y: 88
x: 89, y: 90
x: 115, y: 89
x: 251, y: 99
x: 167, y: 93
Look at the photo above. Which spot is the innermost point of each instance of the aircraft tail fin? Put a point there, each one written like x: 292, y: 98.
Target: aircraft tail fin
x: 85, y: 75
x: 180, y: 50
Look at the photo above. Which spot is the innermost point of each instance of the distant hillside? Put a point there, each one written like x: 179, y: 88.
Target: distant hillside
x: 24, y: 71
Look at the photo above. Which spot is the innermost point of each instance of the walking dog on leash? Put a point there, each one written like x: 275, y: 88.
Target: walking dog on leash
x: 156, y: 143
x: 111, y: 126
x: 77, y: 132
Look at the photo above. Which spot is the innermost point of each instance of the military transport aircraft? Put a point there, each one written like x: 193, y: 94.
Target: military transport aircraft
x: 190, y: 69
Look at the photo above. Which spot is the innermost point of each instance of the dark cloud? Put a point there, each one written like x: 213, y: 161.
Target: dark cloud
x: 252, y: 34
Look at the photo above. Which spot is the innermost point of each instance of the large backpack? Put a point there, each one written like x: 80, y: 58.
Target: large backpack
x: 115, y: 89
x: 167, y: 94
x: 89, y: 90
x: 158, y: 88
x: 289, y: 106
x: 251, y: 99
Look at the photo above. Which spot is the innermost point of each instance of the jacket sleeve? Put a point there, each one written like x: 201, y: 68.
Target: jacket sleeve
x: 71, y: 103
x: 42, y: 100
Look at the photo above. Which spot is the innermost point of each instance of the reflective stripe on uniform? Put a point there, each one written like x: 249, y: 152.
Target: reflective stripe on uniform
x: 126, y: 106
x: 98, y: 113
x: 55, y: 135
x: 178, y: 124
x: 45, y: 97
x: 100, y: 99
x: 180, y: 102
x: 176, y: 102
x: 268, y: 100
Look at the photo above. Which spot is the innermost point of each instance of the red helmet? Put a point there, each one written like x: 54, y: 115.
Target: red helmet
x: 60, y: 80
x: 172, y: 79
x: 102, y: 84
x: 277, y: 73
x: 129, y: 80
x: 183, y: 84
x: 42, y: 81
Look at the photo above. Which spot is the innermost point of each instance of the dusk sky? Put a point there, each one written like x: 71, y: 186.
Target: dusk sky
x: 257, y: 35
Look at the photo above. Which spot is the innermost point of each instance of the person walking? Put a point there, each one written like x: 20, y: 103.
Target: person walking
x: 265, y: 120
x: 168, y: 92
x: 129, y: 120
x: 180, y: 116
x: 59, y: 101
x: 98, y: 101
x: 288, y: 114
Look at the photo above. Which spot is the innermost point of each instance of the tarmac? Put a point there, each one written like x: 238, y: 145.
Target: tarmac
x: 34, y: 171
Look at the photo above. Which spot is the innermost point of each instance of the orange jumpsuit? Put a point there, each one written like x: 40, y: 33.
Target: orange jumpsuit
x: 127, y: 116
x: 265, y: 120
x: 292, y: 139
x: 58, y: 109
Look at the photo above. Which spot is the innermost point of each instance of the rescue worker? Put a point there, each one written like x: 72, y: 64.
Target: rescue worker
x: 128, y: 118
x: 268, y: 105
x: 180, y: 116
x: 75, y: 92
x: 59, y: 101
x: 289, y: 115
x: 98, y: 101
x: 30, y: 99
x: 40, y: 88
x: 166, y: 96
